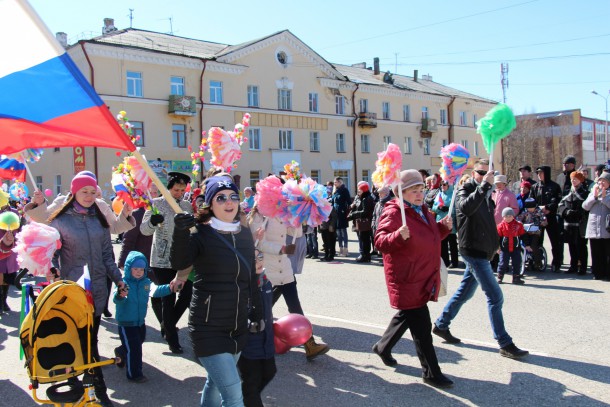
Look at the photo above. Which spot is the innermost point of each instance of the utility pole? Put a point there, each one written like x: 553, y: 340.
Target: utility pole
x: 504, y: 70
x: 131, y: 18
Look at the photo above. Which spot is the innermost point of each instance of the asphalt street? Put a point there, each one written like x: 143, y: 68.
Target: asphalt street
x: 563, y: 320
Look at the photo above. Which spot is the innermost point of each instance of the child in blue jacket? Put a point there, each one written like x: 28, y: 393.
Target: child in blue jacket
x: 131, y: 313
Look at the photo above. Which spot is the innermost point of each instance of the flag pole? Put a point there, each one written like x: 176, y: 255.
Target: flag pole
x: 162, y: 188
x: 27, y: 169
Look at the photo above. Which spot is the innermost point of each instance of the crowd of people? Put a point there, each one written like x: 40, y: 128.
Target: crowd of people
x: 227, y: 264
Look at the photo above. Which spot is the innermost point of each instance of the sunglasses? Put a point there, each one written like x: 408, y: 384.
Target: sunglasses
x: 222, y: 199
x: 481, y: 172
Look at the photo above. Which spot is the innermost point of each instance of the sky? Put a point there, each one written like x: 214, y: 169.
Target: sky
x: 557, y: 51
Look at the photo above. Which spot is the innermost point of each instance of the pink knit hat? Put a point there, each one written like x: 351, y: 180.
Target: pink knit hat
x: 81, y: 181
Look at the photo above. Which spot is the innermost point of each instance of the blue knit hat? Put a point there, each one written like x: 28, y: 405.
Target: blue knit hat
x: 139, y: 263
x: 216, y: 184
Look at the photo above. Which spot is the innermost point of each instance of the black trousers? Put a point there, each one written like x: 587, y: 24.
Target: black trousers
x: 418, y: 320
x: 255, y: 375
x: 173, y: 309
x: 600, y: 266
x: 291, y: 296
x: 330, y: 241
x: 554, y: 233
x: 450, y: 244
x: 364, y: 243
x: 578, y: 249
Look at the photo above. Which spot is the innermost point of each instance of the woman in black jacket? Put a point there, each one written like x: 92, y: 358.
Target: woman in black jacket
x: 222, y: 254
x: 575, y: 223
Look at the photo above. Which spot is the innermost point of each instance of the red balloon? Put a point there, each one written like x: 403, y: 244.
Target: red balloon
x: 280, y: 347
x: 293, y: 329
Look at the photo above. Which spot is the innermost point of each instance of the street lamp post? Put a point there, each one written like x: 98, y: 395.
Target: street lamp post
x: 606, y: 126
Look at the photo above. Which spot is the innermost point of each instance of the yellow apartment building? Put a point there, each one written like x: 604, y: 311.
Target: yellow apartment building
x: 330, y: 118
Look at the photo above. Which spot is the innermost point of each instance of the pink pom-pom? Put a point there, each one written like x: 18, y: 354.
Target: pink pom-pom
x: 48, y: 192
x: 388, y: 166
x: 35, y: 247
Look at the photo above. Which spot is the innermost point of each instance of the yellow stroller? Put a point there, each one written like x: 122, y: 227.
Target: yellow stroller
x: 55, y: 337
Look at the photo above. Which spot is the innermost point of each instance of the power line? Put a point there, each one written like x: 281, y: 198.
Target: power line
x: 495, y: 61
x: 430, y: 25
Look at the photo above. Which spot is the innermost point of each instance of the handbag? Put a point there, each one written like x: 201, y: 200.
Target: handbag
x: 444, y: 277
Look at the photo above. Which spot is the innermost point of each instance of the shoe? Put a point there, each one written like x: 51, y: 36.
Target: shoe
x: 176, y: 349
x: 120, y: 357
x: 582, y: 273
x: 386, y: 358
x: 104, y: 400
x: 513, y: 352
x: 441, y: 381
x: 500, y: 278
x: 139, y: 379
x: 107, y: 313
x: 313, y: 349
x: 445, y: 334
x: 556, y: 269
x: 324, y: 259
x: 308, y: 256
x: 571, y: 270
x: 518, y: 280
x: 374, y: 253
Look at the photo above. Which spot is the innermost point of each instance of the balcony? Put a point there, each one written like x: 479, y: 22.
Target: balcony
x: 182, y: 105
x: 428, y: 126
x: 368, y: 120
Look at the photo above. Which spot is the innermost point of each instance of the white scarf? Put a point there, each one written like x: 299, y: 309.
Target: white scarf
x: 224, y: 226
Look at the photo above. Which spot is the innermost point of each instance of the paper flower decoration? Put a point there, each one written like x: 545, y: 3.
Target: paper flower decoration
x: 293, y: 171
x: 131, y: 183
x: 307, y: 203
x: 36, y: 244
x: 387, y: 167
x: 9, y: 221
x: 269, y: 198
x: 497, y: 124
x: 126, y: 126
x: 455, y: 159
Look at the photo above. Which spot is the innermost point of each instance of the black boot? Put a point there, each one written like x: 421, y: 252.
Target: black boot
x: 101, y: 391
x: 3, y: 304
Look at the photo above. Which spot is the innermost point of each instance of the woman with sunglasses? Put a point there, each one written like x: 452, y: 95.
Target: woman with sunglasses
x: 226, y: 302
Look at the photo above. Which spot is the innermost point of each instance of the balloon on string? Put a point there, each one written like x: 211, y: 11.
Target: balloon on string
x: 280, y: 347
x: 18, y: 191
x: 48, y: 192
x: 293, y: 329
x: 117, y: 205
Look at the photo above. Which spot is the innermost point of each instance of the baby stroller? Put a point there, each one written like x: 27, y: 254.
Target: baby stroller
x: 527, y: 258
x: 55, y: 337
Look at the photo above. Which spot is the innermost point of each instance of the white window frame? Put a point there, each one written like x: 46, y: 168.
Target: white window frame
x: 465, y: 144
x: 424, y: 112
x: 216, y: 94
x: 444, y: 142
x: 443, y: 116
x: 408, y: 145
x: 463, y: 119
x: 176, y: 85
x: 474, y: 120
x: 340, y: 104
x: 340, y: 143
x: 134, y: 84
x: 406, y: 113
x: 58, y: 184
x: 254, y: 179
x: 252, y: 92
x: 366, y: 176
x: 314, y: 141
x: 426, y: 146
x: 365, y: 143
x: 138, y: 130
x: 386, y: 141
x: 254, y: 138
x: 284, y: 99
x: 315, y: 175
x: 314, y: 105
x: 285, y: 139
x: 364, y: 105
x: 476, y: 148
x: 385, y: 110
x: 39, y: 182
x: 179, y: 135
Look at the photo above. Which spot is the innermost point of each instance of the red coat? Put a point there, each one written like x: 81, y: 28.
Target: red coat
x: 511, y: 231
x: 412, y: 266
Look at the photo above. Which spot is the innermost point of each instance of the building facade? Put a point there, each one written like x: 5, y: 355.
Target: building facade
x: 330, y: 118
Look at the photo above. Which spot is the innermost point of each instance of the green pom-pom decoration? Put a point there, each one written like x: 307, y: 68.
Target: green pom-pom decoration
x: 9, y: 221
x: 497, y: 124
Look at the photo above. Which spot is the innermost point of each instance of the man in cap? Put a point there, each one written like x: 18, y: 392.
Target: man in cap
x: 478, y: 242
x: 563, y: 179
x: 548, y: 195
x: 160, y: 224
x: 525, y: 176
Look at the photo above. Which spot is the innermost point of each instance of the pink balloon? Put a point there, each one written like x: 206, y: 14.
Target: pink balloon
x: 293, y: 329
x: 48, y: 192
x: 280, y: 347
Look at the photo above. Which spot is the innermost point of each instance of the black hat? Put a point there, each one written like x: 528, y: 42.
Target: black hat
x: 569, y: 159
x: 530, y: 203
x: 526, y: 167
x: 177, y: 177
x: 540, y: 168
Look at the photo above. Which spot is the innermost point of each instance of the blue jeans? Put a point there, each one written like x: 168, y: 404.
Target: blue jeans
x: 478, y: 271
x: 223, y: 386
x: 342, y: 237
x: 312, y: 243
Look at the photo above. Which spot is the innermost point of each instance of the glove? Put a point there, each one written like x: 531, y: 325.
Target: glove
x: 289, y: 248
x: 184, y: 221
x: 443, y: 208
x: 256, y: 327
x: 156, y: 219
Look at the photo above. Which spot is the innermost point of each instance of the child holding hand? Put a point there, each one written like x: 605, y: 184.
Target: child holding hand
x: 131, y: 307
x: 509, y: 231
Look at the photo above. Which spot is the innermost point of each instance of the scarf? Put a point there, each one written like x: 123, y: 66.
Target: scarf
x: 224, y: 226
x: 81, y: 210
x: 417, y: 209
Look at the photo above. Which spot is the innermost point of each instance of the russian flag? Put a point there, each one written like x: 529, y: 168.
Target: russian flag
x: 12, y: 169
x: 45, y: 101
x: 85, y: 282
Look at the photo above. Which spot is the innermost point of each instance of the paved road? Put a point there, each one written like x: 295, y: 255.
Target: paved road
x: 562, y: 319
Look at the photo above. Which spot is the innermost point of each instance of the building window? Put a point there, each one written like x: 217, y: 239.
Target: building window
x: 176, y: 85
x: 587, y: 131
x: 39, y: 182
x: 340, y: 143
x: 57, y: 184
x: 443, y: 116
x: 252, y: 96
x: 138, y: 132
x: 385, y: 110
x: 426, y: 146
x: 216, y: 92
x: 476, y: 148
x: 465, y: 144
x: 408, y: 145
x: 254, y: 138
x: 424, y: 112
x: 255, y: 176
x: 463, y: 119
x: 406, y: 113
x: 474, y: 120
x: 339, y: 104
x: 315, y: 175
x: 343, y: 174
x: 314, y: 141
x: 600, y: 137
x: 284, y: 99
x: 386, y: 141
x: 179, y: 135
x: 366, y: 176
x: 285, y: 139
x: 364, y: 105
x: 444, y: 142
x: 134, y: 84
x: 313, y: 102
x: 56, y: 149
x: 365, y: 146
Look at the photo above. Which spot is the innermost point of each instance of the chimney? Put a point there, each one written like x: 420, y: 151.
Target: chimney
x: 62, y: 38
x: 108, y: 26
x: 415, y: 75
x: 376, y: 66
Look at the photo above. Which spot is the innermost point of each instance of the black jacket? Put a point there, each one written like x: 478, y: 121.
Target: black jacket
x: 547, y: 193
x: 341, y: 201
x: 477, y: 233
x: 222, y: 290
x: 362, y: 211
x: 570, y: 209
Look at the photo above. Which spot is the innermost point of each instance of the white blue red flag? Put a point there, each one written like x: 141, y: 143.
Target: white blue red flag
x: 12, y: 169
x: 85, y: 282
x: 45, y: 101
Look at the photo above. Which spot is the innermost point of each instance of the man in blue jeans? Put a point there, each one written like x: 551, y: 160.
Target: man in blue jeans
x: 478, y: 241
